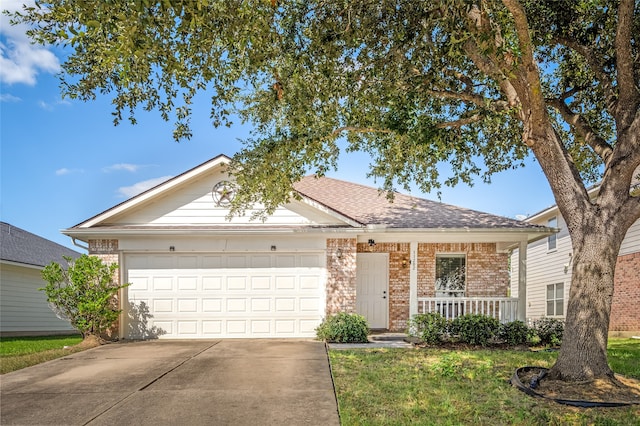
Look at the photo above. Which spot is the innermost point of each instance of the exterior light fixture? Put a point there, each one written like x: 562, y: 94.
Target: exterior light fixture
x: 172, y: 248
x: 339, y: 253
x: 371, y: 242
x: 273, y: 248
x: 404, y: 262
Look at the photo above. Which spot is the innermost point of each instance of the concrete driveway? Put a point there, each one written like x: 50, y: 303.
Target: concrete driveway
x: 195, y: 382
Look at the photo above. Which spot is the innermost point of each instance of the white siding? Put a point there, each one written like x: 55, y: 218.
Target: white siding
x: 193, y: 204
x: 631, y: 242
x: 23, y: 308
x: 546, y: 267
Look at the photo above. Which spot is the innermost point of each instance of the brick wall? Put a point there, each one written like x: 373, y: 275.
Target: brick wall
x: 107, y: 250
x: 341, y: 275
x: 625, y: 308
x: 487, y: 272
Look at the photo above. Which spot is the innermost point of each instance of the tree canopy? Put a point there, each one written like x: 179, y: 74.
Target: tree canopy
x: 412, y: 84
x: 478, y: 84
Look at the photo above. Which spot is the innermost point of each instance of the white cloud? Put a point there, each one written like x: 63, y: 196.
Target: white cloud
x: 137, y: 188
x: 7, y: 97
x: 123, y: 166
x: 64, y: 171
x: 21, y: 61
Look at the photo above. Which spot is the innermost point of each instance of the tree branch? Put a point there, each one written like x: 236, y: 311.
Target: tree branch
x: 359, y: 130
x: 629, y: 98
x: 481, y: 101
x: 582, y: 128
x: 595, y: 65
x: 460, y: 122
x: 533, y: 88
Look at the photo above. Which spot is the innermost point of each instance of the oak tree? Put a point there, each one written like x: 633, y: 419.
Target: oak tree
x: 478, y: 84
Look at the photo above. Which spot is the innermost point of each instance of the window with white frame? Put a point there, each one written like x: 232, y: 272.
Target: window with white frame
x: 450, y: 275
x: 551, y: 239
x: 555, y: 300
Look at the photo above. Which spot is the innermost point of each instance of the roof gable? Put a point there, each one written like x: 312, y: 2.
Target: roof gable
x: 187, y: 201
x: 20, y: 246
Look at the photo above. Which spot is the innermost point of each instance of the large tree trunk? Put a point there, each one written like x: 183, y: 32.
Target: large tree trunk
x: 583, y: 353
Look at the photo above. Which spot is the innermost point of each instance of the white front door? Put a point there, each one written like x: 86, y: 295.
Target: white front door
x: 372, y: 288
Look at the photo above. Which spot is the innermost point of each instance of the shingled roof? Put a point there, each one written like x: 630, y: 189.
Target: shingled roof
x: 20, y: 246
x: 370, y: 207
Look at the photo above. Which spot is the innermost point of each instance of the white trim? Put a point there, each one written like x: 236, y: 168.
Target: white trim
x: 413, y: 279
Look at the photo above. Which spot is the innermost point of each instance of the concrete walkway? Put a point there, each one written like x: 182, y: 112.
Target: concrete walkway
x: 196, y: 382
x: 379, y: 340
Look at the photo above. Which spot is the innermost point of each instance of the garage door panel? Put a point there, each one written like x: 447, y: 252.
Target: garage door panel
x: 261, y: 283
x: 188, y: 283
x: 212, y: 283
x: 265, y: 300
x: 162, y: 284
x: 187, y: 305
x: 211, y: 305
x: 162, y: 305
x: 285, y: 283
x: 237, y: 283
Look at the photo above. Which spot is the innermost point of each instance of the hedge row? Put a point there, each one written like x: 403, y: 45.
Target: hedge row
x: 432, y: 328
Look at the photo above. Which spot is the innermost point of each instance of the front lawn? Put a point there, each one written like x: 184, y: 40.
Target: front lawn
x: 440, y: 386
x: 21, y: 352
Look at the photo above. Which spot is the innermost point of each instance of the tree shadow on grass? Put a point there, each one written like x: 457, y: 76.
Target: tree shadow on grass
x: 138, y: 324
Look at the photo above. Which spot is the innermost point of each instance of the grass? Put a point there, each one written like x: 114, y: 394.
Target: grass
x: 21, y: 352
x: 447, y: 387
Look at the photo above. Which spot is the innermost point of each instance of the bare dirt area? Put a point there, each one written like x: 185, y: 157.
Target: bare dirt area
x: 622, y: 390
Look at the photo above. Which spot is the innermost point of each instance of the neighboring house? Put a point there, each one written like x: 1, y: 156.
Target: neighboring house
x: 549, y: 272
x: 340, y: 247
x: 24, y: 309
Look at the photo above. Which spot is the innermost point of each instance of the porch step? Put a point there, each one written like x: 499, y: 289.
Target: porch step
x: 387, y: 337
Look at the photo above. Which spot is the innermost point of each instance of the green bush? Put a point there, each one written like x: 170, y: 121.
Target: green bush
x: 475, y: 329
x: 83, y: 293
x: 515, y: 333
x: 549, y: 330
x: 429, y: 327
x: 343, y: 328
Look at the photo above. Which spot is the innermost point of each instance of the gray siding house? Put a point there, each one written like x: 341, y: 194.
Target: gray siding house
x: 24, y: 310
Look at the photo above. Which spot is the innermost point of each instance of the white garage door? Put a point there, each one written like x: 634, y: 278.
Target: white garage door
x: 224, y: 295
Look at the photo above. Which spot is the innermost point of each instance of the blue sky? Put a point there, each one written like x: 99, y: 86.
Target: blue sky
x: 63, y: 161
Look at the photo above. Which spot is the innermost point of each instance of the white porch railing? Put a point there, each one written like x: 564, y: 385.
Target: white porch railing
x: 505, y: 309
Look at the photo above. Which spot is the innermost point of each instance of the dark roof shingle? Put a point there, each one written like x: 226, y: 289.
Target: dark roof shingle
x: 369, y: 206
x: 20, y: 246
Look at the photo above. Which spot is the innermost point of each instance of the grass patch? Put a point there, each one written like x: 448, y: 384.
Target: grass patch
x: 442, y: 386
x: 21, y: 352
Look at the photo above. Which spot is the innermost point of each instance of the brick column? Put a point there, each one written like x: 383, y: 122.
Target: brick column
x: 341, y: 275
x: 107, y: 250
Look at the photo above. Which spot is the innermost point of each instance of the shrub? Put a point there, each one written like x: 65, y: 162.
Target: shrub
x: 515, y: 333
x: 475, y: 329
x: 343, y: 328
x: 429, y: 327
x: 83, y: 293
x: 549, y: 330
